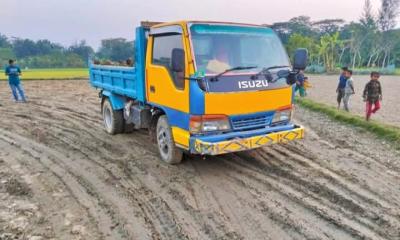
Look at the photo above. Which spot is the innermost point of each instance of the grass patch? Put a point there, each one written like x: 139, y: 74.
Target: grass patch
x: 384, y: 131
x: 51, y: 74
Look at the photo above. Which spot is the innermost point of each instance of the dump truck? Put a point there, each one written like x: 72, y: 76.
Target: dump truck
x: 205, y: 88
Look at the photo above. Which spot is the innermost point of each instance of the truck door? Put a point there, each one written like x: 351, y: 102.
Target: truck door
x: 164, y: 87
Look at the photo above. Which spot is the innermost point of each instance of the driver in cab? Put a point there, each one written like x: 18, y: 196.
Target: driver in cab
x: 220, y: 62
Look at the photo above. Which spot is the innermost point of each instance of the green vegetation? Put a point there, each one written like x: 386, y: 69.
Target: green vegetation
x: 384, y: 131
x: 43, y: 53
x: 47, y: 54
x: 370, y: 42
x: 52, y: 74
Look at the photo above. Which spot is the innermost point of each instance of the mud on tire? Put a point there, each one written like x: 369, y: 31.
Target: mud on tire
x: 113, y: 119
x: 169, y: 153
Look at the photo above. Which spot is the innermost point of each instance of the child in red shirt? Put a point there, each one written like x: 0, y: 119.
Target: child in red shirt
x: 372, y: 95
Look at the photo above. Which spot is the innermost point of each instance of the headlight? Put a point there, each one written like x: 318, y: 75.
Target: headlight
x: 284, y: 115
x: 209, y: 123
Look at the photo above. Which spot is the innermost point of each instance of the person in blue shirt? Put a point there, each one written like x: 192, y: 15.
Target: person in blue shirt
x: 340, y: 90
x: 13, y: 72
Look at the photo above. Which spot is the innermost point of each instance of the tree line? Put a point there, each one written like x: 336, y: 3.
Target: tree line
x: 47, y: 54
x: 370, y: 42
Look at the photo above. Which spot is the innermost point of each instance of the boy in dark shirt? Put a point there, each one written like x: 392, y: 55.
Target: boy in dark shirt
x: 13, y: 72
x: 372, y: 95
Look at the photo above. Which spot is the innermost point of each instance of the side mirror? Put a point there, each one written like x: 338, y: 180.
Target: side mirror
x: 178, y: 60
x: 300, y: 59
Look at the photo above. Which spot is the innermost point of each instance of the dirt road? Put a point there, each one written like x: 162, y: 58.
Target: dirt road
x: 63, y: 177
x: 324, y: 87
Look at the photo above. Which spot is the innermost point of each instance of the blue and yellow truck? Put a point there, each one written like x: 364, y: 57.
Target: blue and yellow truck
x: 203, y: 88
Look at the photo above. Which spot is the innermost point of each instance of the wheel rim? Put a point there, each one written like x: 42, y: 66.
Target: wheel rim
x: 163, y: 141
x: 107, y: 117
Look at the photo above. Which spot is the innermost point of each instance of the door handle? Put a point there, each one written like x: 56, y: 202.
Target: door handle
x: 152, y: 89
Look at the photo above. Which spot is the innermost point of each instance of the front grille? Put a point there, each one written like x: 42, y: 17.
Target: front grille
x: 253, y: 121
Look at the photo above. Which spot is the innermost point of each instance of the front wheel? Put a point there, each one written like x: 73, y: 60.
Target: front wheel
x: 166, y: 146
x: 113, y: 119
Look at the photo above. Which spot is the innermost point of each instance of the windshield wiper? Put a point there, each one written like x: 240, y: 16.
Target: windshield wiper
x: 265, y: 72
x: 215, y: 78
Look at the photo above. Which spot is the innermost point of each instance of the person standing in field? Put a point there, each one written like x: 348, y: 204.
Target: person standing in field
x: 13, y: 72
x: 348, y: 90
x: 341, y: 86
x: 300, y: 79
x: 373, y: 95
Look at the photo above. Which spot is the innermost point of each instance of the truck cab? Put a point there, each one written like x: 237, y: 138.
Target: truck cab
x: 203, y: 88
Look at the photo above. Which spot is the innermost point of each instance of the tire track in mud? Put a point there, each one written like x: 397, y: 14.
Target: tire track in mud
x: 208, y: 229
x: 52, y: 193
x: 375, y: 221
x: 311, y: 208
x: 77, y: 188
x: 346, y: 182
x: 257, y: 188
x: 158, y: 203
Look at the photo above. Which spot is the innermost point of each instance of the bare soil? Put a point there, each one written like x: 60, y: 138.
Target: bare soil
x: 63, y: 177
x: 324, y: 90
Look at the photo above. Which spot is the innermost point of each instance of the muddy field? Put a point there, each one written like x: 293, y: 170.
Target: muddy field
x: 63, y: 177
x: 324, y: 87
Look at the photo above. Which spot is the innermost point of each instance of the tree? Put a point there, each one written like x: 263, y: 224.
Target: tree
x: 24, y: 48
x: 367, y: 18
x: 53, y: 60
x: 301, y: 25
x: 82, y: 50
x: 299, y: 41
x: 328, y: 26
x: 27, y: 48
x: 5, y: 55
x: 388, y: 14
x: 116, y: 49
x: 329, y: 49
x: 4, y: 43
x: 45, y: 47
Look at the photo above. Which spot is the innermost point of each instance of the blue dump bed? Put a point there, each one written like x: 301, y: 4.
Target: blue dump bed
x: 123, y: 81
x: 118, y: 80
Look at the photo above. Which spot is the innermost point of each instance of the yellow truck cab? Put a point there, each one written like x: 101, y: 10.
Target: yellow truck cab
x: 203, y: 88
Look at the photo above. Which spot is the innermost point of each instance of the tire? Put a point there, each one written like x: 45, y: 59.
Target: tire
x: 169, y: 153
x: 113, y: 119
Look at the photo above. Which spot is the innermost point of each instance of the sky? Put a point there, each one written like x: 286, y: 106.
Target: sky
x: 69, y: 21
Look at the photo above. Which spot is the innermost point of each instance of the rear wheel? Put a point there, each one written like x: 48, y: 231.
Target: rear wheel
x: 166, y: 146
x: 113, y: 119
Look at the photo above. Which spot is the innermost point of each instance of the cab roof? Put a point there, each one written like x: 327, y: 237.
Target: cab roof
x: 148, y: 24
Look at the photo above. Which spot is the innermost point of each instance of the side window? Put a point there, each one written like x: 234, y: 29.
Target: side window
x: 163, y: 48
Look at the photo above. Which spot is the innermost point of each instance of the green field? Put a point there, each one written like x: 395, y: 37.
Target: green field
x: 51, y: 74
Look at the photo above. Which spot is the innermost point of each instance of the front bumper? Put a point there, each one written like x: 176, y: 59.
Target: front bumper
x: 204, y: 147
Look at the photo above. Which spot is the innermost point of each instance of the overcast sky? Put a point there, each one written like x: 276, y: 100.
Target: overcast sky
x: 68, y: 21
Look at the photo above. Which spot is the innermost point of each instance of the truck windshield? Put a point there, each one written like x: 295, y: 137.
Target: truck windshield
x: 220, y: 47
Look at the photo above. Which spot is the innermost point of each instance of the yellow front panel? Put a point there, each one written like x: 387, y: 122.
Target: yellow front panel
x: 181, y: 137
x: 247, y: 102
